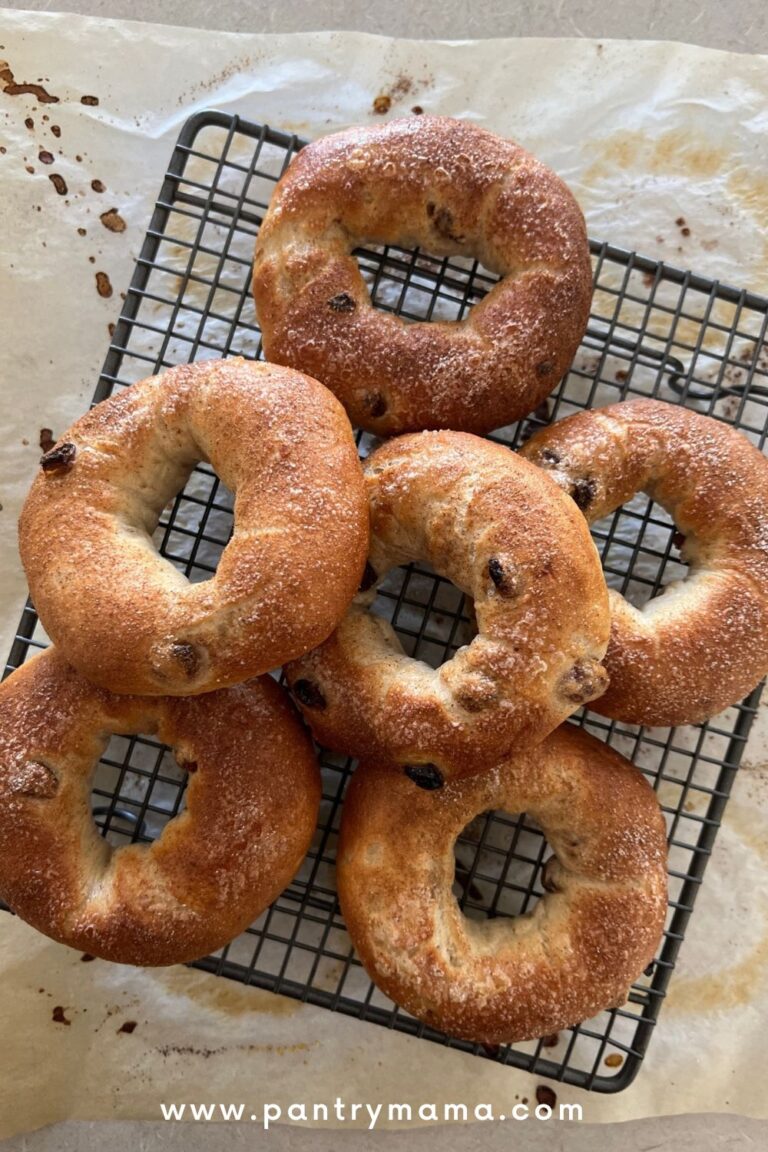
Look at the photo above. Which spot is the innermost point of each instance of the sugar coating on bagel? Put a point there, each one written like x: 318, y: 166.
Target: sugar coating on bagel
x: 251, y: 809
x: 702, y: 643
x: 450, y: 188
x: 482, y: 518
x: 124, y: 615
x: 502, y: 980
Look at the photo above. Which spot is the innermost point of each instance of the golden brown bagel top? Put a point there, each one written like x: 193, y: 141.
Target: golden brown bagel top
x: 500, y: 980
x: 702, y: 644
x: 450, y: 188
x: 251, y: 810
x: 483, y: 519
x: 125, y: 616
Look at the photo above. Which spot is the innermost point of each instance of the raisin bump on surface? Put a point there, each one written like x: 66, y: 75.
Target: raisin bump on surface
x: 342, y: 302
x: 35, y: 780
x: 426, y: 776
x: 503, y: 577
x: 549, y: 456
x: 308, y: 694
x: 187, y: 656
x: 496, y: 571
x: 59, y: 459
x: 544, y: 369
x: 442, y: 221
x: 586, y: 680
x: 375, y: 403
x: 476, y: 694
x: 583, y: 493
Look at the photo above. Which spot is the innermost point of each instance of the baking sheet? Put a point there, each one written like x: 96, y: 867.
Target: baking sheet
x: 665, y: 147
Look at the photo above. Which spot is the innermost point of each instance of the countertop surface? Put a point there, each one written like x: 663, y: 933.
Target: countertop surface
x: 741, y: 26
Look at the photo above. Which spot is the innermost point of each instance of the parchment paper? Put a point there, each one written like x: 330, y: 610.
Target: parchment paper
x: 646, y: 134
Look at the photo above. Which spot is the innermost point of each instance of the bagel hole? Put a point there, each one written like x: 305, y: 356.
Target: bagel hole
x: 418, y: 286
x: 498, y: 871
x: 642, y: 550
x: 138, y: 786
x: 195, y: 526
x: 431, y: 616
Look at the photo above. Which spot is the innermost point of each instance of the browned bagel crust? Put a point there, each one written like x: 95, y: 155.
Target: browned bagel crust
x: 501, y: 980
x: 450, y: 188
x: 483, y: 519
x: 251, y: 810
x: 124, y: 616
x: 703, y: 645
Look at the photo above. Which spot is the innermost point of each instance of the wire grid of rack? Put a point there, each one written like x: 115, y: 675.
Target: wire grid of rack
x: 654, y: 330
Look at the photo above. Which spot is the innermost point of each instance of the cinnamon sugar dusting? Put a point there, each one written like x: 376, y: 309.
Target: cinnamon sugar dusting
x: 428, y: 503
x: 493, y: 981
x: 98, y: 898
x: 714, y: 484
x: 454, y: 189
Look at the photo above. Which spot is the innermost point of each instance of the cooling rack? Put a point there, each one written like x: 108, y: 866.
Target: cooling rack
x: 654, y: 331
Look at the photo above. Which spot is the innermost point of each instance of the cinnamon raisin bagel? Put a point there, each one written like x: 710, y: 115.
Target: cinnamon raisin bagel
x: 251, y: 809
x: 502, y: 980
x: 452, y: 189
x: 125, y: 616
x: 484, y: 519
x: 702, y: 644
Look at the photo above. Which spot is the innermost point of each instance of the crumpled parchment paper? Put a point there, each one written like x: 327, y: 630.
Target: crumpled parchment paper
x: 647, y: 134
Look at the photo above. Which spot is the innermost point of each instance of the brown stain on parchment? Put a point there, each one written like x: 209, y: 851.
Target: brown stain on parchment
x: 13, y: 87
x: 113, y: 221
x: 730, y: 988
x: 742, y: 820
x: 675, y: 151
x: 682, y: 330
x: 682, y: 152
x: 749, y: 188
x: 187, y: 1050
x: 738, y: 984
x: 223, y: 995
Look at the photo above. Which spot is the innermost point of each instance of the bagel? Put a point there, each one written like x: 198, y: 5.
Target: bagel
x: 452, y: 189
x: 503, y: 980
x: 127, y: 618
x: 702, y: 644
x: 483, y: 518
x: 251, y: 810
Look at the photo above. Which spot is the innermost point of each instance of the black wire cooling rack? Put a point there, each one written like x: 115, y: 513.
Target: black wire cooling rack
x: 654, y: 331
